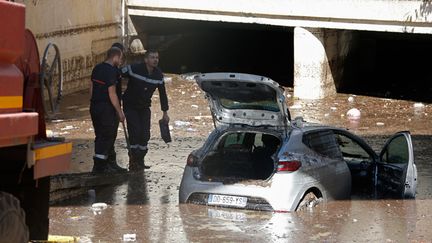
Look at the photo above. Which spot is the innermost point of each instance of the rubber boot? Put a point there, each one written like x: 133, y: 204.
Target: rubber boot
x: 101, y: 166
x: 133, y: 160
x: 136, y: 160
x: 141, y: 159
x: 112, y: 162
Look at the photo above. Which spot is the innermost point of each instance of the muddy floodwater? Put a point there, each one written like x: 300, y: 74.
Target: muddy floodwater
x: 145, y: 207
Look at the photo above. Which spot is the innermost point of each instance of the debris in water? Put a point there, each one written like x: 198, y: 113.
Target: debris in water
x: 194, y: 106
x: 129, y: 237
x: 68, y: 127
x: 97, y: 208
x: 354, y: 114
x: 380, y: 123
x: 350, y: 99
x: 191, y: 129
x: 181, y: 123
x: 333, y: 108
x: 189, y: 76
x: 77, y: 218
x: 84, y: 109
x: 57, y: 120
x: 167, y: 79
x: 419, y: 105
x: 355, y: 220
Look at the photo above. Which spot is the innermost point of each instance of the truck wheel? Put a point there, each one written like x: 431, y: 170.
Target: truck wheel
x: 12, y: 220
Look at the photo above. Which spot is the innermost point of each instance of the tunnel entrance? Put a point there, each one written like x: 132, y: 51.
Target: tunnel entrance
x: 201, y: 46
x: 391, y: 65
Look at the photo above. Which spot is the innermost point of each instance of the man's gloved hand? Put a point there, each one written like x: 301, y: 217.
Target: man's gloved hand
x: 165, y: 117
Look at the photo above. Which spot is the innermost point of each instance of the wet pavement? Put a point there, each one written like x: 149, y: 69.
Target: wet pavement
x: 146, y: 205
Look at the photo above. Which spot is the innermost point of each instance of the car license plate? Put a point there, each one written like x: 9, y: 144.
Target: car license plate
x: 214, y: 199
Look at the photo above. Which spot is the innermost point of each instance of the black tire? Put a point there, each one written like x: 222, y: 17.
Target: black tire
x: 13, y: 227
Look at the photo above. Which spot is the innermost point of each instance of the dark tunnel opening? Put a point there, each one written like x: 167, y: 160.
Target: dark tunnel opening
x: 391, y: 65
x: 381, y: 64
x: 199, y: 46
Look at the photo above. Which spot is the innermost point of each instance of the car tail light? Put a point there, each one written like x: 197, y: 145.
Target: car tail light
x: 191, y: 160
x: 288, y: 165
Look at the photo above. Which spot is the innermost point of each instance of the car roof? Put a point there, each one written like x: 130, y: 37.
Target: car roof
x: 308, y: 126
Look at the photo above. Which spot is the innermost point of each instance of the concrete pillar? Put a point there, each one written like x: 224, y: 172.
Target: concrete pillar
x: 314, y: 50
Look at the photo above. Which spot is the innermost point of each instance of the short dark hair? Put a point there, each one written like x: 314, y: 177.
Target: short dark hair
x: 148, y: 52
x: 118, y: 45
x: 113, y: 51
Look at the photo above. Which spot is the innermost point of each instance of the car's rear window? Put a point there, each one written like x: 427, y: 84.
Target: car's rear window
x: 246, y: 140
x: 258, y: 104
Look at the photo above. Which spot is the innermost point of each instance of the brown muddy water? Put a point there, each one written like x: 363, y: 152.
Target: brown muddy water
x: 145, y: 208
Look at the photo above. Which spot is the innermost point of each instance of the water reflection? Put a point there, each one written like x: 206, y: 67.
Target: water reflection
x: 155, y: 221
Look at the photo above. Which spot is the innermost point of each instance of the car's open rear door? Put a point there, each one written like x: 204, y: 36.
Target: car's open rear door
x: 396, y: 171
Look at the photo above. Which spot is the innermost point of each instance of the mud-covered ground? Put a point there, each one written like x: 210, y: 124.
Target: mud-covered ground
x: 146, y: 205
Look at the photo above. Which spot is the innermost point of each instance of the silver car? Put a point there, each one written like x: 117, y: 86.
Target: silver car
x: 257, y: 158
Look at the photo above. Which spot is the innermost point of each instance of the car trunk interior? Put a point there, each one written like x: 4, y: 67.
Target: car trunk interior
x: 241, y: 156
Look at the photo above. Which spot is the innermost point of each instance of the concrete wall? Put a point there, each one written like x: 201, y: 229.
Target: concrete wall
x: 82, y: 29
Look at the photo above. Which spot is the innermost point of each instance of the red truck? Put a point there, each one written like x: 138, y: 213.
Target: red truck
x: 27, y: 157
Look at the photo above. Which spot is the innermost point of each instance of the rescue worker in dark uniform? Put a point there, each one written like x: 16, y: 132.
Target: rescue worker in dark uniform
x: 144, y: 79
x: 105, y: 111
x: 112, y: 155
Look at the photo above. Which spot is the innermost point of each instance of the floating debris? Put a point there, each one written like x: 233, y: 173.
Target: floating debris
x: 189, y: 76
x: 354, y: 114
x: 97, y: 208
x: 191, y: 129
x: 129, y: 237
x: 181, y: 123
x: 419, y: 105
x: 68, y: 127
x: 57, y: 120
